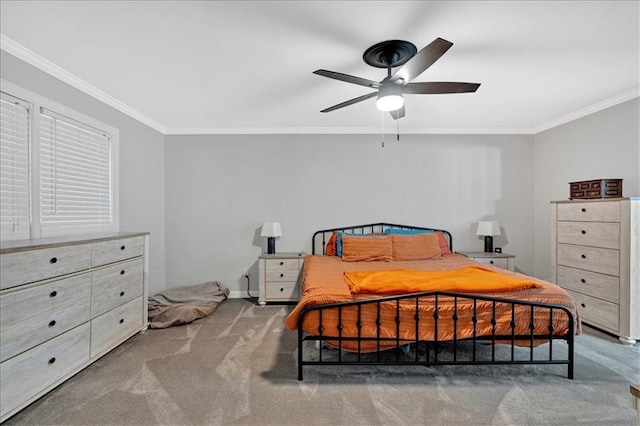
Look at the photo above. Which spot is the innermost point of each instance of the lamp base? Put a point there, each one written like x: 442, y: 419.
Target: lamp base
x: 488, y: 244
x: 271, y: 245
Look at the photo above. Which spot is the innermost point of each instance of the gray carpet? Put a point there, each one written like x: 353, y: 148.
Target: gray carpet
x: 238, y: 366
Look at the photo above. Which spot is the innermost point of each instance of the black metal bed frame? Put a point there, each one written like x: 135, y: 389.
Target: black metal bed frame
x: 484, y: 349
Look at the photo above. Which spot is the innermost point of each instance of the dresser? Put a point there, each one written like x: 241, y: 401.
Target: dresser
x: 501, y: 260
x: 278, y: 277
x: 596, y: 258
x: 64, y: 303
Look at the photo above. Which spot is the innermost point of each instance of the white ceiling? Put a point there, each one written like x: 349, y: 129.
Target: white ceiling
x: 246, y: 67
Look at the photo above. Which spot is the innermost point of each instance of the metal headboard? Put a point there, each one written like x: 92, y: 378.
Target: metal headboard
x: 320, y: 238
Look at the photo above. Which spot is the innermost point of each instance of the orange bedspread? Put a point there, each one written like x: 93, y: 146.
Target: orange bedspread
x: 470, y: 279
x: 323, y: 283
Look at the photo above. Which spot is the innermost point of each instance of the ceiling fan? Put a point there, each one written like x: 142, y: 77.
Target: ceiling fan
x: 399, y: 53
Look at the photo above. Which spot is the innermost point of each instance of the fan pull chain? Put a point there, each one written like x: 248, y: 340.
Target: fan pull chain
x: 382, y: 127
x: 398, y: 130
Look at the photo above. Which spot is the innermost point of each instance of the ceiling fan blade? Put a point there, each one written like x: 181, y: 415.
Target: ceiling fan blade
x: 421, y: 61
x: 439, y: 87
x: 351, y: 102
x: 348, y: 78
x: 399, y: 113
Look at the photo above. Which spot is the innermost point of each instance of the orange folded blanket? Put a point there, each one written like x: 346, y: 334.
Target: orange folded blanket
x: 470, y: 279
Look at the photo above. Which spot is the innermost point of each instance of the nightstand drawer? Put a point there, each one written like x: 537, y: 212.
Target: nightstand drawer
x: 281, y: 275
x: 597, y: 312
x: 604, y: 261
x: 589, y: 212
x: 499, y: 262
x: 282, y: 291
x: 601, y: 286
x: 594, y: 234
x: 273, y: 265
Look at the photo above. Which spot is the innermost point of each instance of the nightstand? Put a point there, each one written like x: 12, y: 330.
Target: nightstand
x: 501, y: 260
x: 278, y: 277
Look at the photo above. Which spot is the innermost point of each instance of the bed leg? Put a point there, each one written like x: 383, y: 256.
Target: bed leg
x: 300, y: 357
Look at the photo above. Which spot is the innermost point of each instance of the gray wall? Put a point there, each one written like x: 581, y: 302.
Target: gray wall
x: 141, y: 158
x: 605, y: 144
x: 220, y: 189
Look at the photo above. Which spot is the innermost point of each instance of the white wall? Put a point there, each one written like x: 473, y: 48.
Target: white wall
x: 605, y: 144
x: 141, y: 158
x: 220, y: 189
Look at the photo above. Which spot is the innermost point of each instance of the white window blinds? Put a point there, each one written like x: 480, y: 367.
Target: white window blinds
x: 14, y: 168
x: 75, y: 176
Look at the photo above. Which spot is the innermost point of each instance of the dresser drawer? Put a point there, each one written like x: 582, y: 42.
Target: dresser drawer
x: 604, y: 261
x: 31, y: 373
x: 601, y: 286
x: 273, y: 265
x: 19, y: 305
x: 115, y: 285
x: 110, y: 251
x: 35, y: 265
x: 594, y: 234
x: 597, y: 312
x: 25, y: 335
x: 112, y: 328
x: 282, y: 291
x: 589, y: 212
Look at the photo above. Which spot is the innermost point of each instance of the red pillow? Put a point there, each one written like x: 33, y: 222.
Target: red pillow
x: 444, y: 245
x: 331, y: 245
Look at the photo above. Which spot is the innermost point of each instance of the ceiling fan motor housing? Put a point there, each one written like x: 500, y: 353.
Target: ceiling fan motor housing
x: 390, y: 53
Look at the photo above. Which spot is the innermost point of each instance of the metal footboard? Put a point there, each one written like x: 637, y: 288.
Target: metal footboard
x: 493, y: 348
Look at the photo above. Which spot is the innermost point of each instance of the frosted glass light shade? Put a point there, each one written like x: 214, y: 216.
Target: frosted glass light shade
x: 389, y: 102
x: 271, y: 229
x: 488, y: 228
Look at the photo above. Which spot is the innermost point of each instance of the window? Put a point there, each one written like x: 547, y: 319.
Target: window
x: 14, y: 168
x: 59, y: 169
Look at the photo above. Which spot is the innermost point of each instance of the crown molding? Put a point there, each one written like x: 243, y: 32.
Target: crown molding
x: 345, y: 130
x: 19, y: 51
x: 583, y: 112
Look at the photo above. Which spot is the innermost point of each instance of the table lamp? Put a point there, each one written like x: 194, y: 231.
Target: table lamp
x: 271, y: 230
x: 488, y: 230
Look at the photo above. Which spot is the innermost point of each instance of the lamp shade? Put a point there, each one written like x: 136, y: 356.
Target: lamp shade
x: 488, y: 228
x: 271, y: 229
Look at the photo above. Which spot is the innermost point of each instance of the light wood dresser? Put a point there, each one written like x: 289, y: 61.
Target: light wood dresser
x: 596, y: 258
x: 64, y: 303
x: 278, y: 277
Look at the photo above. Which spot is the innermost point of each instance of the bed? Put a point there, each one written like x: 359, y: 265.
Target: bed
x: 365, y: 300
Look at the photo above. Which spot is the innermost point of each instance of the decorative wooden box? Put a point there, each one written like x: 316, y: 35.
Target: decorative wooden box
x: 597, y: 188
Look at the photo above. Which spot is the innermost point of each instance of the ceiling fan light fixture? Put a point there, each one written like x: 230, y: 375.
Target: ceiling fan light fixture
x: 389, y: 102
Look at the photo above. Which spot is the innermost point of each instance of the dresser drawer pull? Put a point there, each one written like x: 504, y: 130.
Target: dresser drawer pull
x: 53, y: 260
x: 122, y: 247
x: 281, y: 290
x: 584, y: 256
x: 121, y: 320
x: 491, y: 262
x: 52, y: 360
x: 122, y: 272
x: 281, y: 263
x: 583, y: 281
x: 583, y: 232
x: 52, y: 323
x: 121, y: 293
x: 583, y: 305
x: 583, y: 210
x: 53, y: 294
x: 281, y: 275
